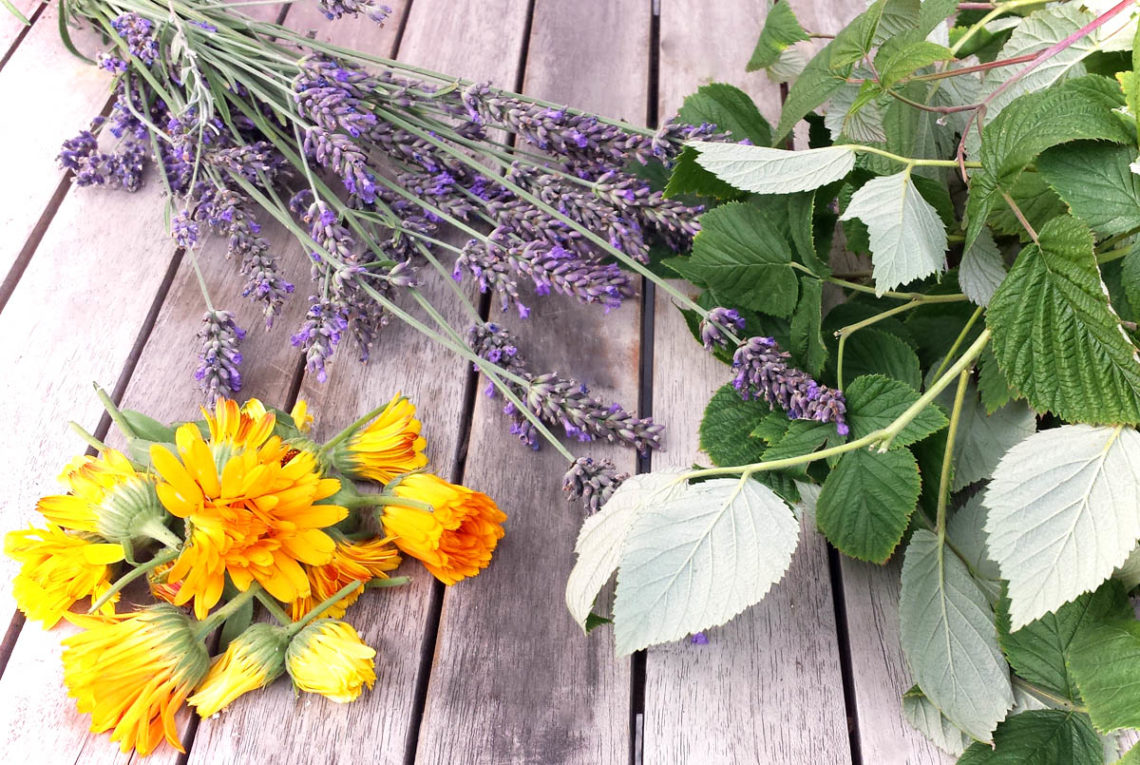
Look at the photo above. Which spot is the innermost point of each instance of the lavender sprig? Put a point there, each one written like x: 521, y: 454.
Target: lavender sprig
x: 218, y: 371
x: 764, y: 370
x: 561, y: 401
x: 320, y: 335
x: 334, y: 9
x: 592, y: 481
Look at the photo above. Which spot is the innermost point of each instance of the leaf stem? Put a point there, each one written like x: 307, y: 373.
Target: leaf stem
x: 908, y: 161
x: 959, y: 340
x: 948, y: 456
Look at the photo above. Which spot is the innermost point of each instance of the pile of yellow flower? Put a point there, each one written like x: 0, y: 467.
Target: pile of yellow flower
x: 242, y: 506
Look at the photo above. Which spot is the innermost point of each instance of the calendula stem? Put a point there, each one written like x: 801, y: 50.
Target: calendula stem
x: 91, y: 440
x: 321, y: 607
x: 384, y: 500
x: 270, y: 604
x: 116, y: 414
x: 214, y: 620
x: 130, y: 576
x: 347, y: 432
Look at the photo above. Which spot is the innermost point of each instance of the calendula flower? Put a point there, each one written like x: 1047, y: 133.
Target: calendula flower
x: 132, y: 675
x: 249, y: 503
x: 329, y: 658
x: 456, y: 538
x: 107, y: 497
x: 253, y: 660
x: 160, y: 587
x: 351, y: 562
x: 58, y: 569
x: 301, y: 417
x: 389, y: 445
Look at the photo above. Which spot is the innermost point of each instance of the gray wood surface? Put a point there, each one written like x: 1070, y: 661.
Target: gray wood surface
x: 514, y: 679
x: 11, y: 27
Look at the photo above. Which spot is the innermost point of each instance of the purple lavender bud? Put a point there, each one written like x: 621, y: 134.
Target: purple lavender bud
x: 112, y: 64
x: 319, y: 335
x: 763, y: 370
x: 718, y: 324
x: 593, y: 482
x: 184, y: 230
x: 218, y: 371
x: 334, y: 9
x: 139, y: 36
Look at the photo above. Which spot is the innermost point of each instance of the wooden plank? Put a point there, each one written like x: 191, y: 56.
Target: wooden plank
x: 703, y: 42
x: 11, y: 27
x: 546, y: 693
x: 774, y: 671
x: 61, y: 94
x: 397, y: 622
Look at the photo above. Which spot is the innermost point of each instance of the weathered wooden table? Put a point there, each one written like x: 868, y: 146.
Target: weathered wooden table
x: 494, y: 669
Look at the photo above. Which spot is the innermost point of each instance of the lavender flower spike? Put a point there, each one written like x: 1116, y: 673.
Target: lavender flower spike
x: 592, y: 481
x: 720, y: 323
x: 763, y: 370
x: 218, y: 372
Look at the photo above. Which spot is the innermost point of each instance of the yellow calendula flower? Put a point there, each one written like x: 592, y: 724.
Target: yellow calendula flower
x: 351, y: 562
x: 133, y: 675
x: 301, y: 417
x: 58, y: 569
x: 456, y: 538
x: 389, y: 445
x: 249, y: 501
x: 329, y: 658
x: 253, y: 660
x: 108, y: 497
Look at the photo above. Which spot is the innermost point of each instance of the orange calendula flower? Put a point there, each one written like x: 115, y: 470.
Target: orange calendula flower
x: 455, y: 540
x: 132, y: 675
x: 253, y: 660
x: 159, y: 586
x: 107, y: 497
x: 329, y: 658
x: 351, y: 562
x: 249, y: 504
x: 389, y: 445
x: 58, y: 569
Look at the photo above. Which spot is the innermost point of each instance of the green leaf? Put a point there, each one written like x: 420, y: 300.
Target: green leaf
x: 726, y: 427
x: 933, y: 13
x: 603, y: 537
x: 1041, y: 737
x: 930, y: 722
x: 1038, y: 651
x: 802, y: 437
x: 774, y: 171
x: 992, y: 386
x: 1055, y: 335
x: 698, y: 559
x: 802, y: 222
x: 593, y: 621
x: 147, y: 428
x: 815, y: 85
x: 854, y: 112
x: 1039, y: 31
x: 947, y: 632
x: 1131, y: 757
x: 742, y: 256
x: 1130, y: 275
x: 866, y: 502
x: 781, y: 29
x: 873, y: 351
x: 1062, y: 514
x: 771, y: 428
x: 908, y: 240
x: 1096, y: 183
x: 688, y: 177
x: 1128, y: 572
x: 907, y: 60
x: 807, y: 342
x: 982, y: 269
x: 984, y: 438
x: 1036, y: 200
x: 730, y: 109
x: 966, y: 530
x: 1105, y: 660
x: 874, y: 402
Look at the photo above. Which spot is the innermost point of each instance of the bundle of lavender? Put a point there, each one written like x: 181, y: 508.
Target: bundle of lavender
x: 364, y: 159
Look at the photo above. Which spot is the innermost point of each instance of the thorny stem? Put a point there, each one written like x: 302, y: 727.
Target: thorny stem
x: 959, y: 340
x: 948, y: 458
x: 1020, y: 217
x: 908, y: 161
x: 845, y: 332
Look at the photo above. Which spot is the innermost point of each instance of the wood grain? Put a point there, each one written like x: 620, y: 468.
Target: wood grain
x: 767, y: 687
x: 59, y: 95
x: 703, y: 42
x: 514, y: 679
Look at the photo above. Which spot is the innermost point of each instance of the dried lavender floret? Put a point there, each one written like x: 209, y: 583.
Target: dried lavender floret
x: 251, y: 161
x: 340, y: 154
x: 334, y: 9
x: 674, y: 221
x: 218, y: 371
x: 718, y: 324
x: 764, y: 370
x: 320, y: 334
x: 184, y: 230
x: 592, y: 481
